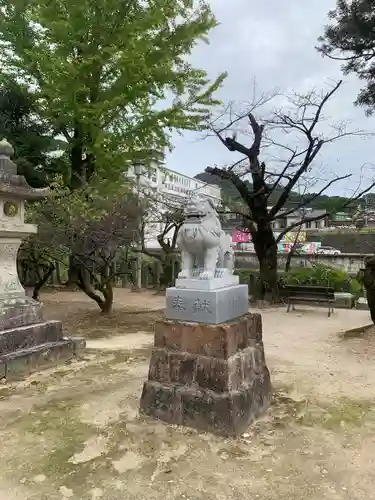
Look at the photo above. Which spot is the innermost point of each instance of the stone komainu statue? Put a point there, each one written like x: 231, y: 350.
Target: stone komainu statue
x: 202, y: 242
x: 366, y: 276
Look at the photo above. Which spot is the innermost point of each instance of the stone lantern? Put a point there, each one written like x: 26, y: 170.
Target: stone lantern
x: 24, y: 335
x: 14, y: 191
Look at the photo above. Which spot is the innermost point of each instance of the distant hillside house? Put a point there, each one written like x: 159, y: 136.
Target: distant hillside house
x: 283, y: 222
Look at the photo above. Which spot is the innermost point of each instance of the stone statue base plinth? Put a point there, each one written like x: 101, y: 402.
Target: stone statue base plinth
x: 207, y: 306
x: 210, y: 377
x: 27, y: 342
x: 362, y: 304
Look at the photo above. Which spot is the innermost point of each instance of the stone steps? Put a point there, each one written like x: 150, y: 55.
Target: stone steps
x: 17, y: 364
x: 23, y: 337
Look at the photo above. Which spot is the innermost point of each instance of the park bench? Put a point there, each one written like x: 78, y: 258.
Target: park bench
x: 309, y: 293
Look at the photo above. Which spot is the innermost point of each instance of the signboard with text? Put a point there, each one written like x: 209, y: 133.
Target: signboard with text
x: 240, y: 236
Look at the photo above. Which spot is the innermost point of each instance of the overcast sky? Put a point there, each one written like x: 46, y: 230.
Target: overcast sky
x: 274, y: 41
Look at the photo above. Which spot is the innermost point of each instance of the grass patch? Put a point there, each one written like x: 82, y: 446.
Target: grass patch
x: 57, y: 430
x: 346, y: 413
x: 343, y: 414
x: 51, y: 434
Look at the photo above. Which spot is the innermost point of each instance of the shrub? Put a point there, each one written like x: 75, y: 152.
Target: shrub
x: 322, y: 275
x: 244, y: 275
x: 356, y: 288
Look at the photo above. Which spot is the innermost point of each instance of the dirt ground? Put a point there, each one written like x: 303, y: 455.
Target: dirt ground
x: 73, y: 432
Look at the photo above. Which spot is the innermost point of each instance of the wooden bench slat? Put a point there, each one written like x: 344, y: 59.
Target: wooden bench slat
x: 310, y: 293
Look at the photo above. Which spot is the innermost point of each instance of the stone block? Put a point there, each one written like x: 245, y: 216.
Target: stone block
x: 217, y: 374
x: 235, y: 372
x: 247, y: 364
x: 210, y: 377
x: 78, y: 343
x: 159, y: 366
x: 207, y: 411
x: 258, y: 325
x: 211, y: 284
x: 22, y: 362
x: 261, y: 389
x: 212, y: 373
x: 182, y: 367
x: 227, y: 413
x: 221, y: 341
x: 204, y: 306
x: 27, y: 336
x: 19, y: 311
x: 344, y: 300
x: 362, y: 304
x: 168, y: 333
x: 162, y: 402
x: 258, y: 358
x: 167, y: 366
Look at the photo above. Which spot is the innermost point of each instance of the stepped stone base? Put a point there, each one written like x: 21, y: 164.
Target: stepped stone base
x: 25, y: 361
x: 210, y: 377
x: 27, y: 342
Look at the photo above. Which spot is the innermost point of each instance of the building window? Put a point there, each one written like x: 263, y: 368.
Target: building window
x: 308, y: 225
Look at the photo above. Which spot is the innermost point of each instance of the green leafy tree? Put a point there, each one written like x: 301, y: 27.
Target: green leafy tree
x: 351, y: 38
x: 111, y: 76
x: 31, y: 138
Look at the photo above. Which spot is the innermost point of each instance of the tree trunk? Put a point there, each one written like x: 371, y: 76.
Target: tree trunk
x: 73, y: 273
x: 266, y: 251
x: 107, y: 304
x: 288, y: 261
x: 292, y: 251
x: 85, y: 285
x: 366, y: 277
x: 167, y: 277
x: 38, y: 286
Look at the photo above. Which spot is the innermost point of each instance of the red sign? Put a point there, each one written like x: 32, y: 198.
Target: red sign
x: 240, y: 237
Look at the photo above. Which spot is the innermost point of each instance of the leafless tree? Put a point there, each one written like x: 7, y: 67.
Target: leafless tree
x: 91, y: 242
x: 290, y: 140
x: 162, y: 221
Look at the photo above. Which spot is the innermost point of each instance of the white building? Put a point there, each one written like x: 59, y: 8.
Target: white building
x: 291, y: 218
x: 169, y: 189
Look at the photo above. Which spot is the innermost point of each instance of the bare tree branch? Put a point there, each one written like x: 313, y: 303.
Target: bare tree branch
x: 283, y: 167
x: 313, y: 197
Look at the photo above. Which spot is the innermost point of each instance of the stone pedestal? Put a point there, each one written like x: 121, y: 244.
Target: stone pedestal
x: 210, y: 377
x: 344, y: 300
x: 362, y: 304
x: 211, y: 301
x: 26, y: 340
x: 207, y: 306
